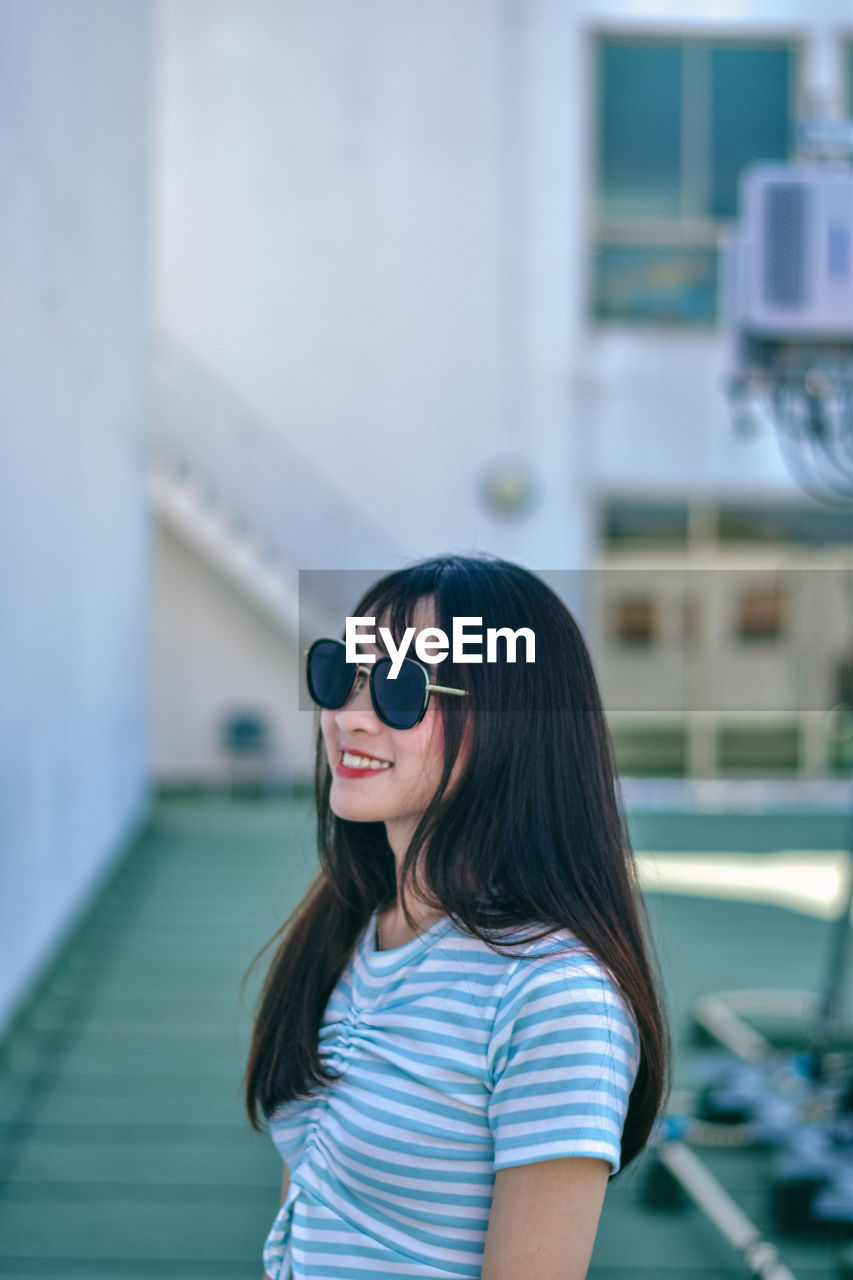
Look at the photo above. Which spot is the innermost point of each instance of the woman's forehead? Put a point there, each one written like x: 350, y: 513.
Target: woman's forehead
x: 420, y: 616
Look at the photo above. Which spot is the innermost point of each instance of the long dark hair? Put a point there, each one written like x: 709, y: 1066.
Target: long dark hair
x: 532, y: 833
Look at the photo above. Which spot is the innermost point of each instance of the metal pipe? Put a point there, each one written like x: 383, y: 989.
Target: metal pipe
x: 760, y: 1256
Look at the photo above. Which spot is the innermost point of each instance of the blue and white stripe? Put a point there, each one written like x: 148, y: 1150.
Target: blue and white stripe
x: 457, y: 1062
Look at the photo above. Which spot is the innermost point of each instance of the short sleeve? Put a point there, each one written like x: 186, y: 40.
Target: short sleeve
x: 563, y: 1055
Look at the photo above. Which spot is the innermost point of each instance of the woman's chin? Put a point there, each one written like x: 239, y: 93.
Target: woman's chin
x: 352, y: 809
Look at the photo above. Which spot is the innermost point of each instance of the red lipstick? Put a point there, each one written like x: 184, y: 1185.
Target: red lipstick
x: 347, y: 771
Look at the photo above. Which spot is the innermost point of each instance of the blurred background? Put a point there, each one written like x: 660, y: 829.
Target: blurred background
x: 291, y: 286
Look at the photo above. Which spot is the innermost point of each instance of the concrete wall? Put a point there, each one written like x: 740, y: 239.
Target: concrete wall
x: 214, y: 652
x: 362, y: 227
x: 73, y: 519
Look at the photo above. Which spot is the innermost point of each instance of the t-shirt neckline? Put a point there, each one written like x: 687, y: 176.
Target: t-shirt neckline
x: 381, y: 962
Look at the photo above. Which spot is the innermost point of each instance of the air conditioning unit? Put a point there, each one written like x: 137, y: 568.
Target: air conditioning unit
x: 792, y: 254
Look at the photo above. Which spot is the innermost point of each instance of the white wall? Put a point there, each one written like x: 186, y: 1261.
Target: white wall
x: 73, y: 521
x: 361, y: 225
x: 213, y: 652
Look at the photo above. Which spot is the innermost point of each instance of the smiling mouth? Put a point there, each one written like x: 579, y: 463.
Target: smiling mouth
x: 352, y: 761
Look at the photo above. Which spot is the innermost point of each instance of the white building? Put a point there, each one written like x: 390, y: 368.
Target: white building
x: 74, y: 548
x: 422, y: 248
x: 425, y: 277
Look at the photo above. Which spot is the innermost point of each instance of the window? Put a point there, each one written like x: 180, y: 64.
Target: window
x: 750, y: 750
x: 677, y: 121
x: 803, y: 525
x: 665, y: 523
x: 625, y: 521
x: 761, y: 614
x: 651, y: 750
x: 633, y: 621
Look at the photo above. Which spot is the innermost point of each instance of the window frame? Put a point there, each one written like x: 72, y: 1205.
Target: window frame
x: 687, y: 231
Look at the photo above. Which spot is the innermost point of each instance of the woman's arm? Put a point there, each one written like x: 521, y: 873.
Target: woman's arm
x: 544, y: 1218
x: 285, y: 1183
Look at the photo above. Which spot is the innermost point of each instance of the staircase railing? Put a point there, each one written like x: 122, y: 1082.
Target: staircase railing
x: 248, y: 468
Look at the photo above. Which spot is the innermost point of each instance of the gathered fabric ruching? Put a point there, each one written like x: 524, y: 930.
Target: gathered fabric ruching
x: 277, y: 1247
x: 455, y: 1061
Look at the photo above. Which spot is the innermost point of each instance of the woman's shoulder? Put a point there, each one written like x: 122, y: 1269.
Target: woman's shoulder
x: 537, y: 967
x: 557, y: 991
x: 523, y: 954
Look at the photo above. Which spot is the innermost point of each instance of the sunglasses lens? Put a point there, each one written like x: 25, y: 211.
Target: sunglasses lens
x: 399, y: 702
x: 329, y: 676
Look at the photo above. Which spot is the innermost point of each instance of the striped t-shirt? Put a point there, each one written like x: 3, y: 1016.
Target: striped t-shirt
x: 457, y: 1062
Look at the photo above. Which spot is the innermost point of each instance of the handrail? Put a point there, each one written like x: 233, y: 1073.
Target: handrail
x: 250, y: 468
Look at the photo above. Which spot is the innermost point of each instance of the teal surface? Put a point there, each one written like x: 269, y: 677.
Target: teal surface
x: 680, y: 832
x: 125, y: 1152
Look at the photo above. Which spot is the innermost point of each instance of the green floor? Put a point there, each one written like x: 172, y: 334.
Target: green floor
x: 124, y: 1149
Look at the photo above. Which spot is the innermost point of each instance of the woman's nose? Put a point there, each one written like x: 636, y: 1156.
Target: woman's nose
x: 357, y: 712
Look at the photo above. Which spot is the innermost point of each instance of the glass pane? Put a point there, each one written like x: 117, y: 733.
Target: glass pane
x: 645, y: 522
x: 750, y: 117
x: 758, y: 749
x: 633, y: 621
x: 642, y: 282
x: 639, y: 135
x: 815, y: 526
x: 650, y: 749
x: 761, y: 615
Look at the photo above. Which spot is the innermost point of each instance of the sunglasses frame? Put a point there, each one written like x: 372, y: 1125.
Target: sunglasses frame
x: 367, y: 670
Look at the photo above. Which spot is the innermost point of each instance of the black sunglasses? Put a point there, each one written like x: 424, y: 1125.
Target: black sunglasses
x: 400, y: 703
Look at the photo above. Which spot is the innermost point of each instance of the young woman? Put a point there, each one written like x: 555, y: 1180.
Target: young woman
x: 460, y: 1038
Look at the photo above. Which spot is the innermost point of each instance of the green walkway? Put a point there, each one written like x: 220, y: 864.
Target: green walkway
x: 124, y: 1148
